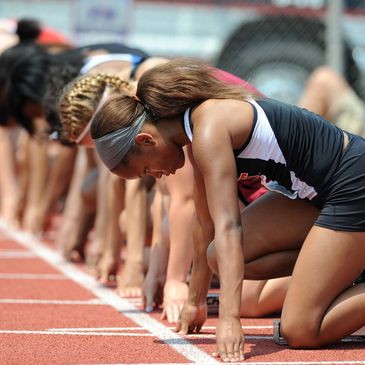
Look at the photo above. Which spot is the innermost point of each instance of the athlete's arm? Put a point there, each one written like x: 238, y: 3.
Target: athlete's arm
x: 219, y: 125
x: 194, y: 312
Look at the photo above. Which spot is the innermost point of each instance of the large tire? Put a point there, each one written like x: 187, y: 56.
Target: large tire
x: 277, y: 69
x: 276, y: 54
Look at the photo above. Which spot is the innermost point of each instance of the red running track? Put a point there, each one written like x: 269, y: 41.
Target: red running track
x: 53, y: 312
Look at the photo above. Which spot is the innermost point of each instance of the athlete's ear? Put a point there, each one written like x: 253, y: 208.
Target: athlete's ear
x: 145, y: 139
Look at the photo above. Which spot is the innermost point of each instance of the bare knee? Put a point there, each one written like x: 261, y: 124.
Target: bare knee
x: 326, y: 82
x: 323, y: 77
x: 300, y: 333
x: 212, y: 258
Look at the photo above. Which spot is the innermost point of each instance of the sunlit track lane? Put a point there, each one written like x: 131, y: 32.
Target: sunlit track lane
x: 84, y: 323
x: 33, y: 310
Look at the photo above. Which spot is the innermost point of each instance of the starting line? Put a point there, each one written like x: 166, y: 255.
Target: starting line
x: 157, y: 329
x: 107, y: 297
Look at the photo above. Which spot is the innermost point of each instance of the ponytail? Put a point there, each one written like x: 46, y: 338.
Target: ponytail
x: 79, y: 100
x: 168, y: 90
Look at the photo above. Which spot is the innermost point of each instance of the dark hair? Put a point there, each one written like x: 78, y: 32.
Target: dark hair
x: 23, y: 77
x: 120, y: 110
x: 28, y: 30
x: 59, y: 76
x: 25, y: 73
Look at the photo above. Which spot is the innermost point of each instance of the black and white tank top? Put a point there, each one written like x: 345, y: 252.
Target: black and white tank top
x: 291, y: 150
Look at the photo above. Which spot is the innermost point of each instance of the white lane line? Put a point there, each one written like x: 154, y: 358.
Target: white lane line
x: 80, y: 329
x: 65, y: 333
x: 115, y: 334
x: 16, y: 254
x: 19, y: 276
x: 96, y: 329
x: 175, y: 341
x: 96, y: 301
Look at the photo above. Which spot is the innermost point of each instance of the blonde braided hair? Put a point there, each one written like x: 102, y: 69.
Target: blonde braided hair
x: 80, y: 99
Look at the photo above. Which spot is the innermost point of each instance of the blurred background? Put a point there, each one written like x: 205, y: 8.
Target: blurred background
x: 274, y: 44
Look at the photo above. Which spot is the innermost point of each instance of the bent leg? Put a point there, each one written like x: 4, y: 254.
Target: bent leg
x: 263, y: 297
x: 274, y: 229
x: 322, y: 306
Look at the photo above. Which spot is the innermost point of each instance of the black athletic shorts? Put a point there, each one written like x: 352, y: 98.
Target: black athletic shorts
x: 343, y: 206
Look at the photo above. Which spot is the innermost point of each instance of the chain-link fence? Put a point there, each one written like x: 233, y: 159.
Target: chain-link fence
x: 278, y: 49
x: 274, y: 44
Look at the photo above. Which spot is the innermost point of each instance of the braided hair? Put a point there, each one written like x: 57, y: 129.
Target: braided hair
x: 80, y: 98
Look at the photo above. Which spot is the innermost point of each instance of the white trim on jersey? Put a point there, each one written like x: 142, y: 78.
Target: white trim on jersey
x: 263, y: 135
x: 187, y: 127
x: 96, y: 60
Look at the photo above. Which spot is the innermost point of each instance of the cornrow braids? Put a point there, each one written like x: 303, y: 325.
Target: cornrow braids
x: 80, y: 98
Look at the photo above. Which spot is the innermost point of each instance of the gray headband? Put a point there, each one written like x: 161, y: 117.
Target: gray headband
x: 113, y: 147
